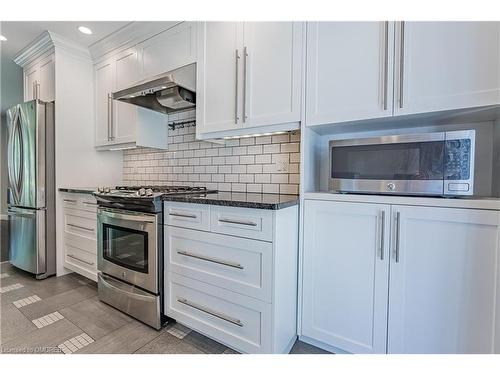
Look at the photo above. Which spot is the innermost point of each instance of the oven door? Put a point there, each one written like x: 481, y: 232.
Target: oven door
x: 403, y: 164
x: 128, y: 244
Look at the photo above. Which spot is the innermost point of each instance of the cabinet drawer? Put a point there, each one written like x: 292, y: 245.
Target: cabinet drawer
x: 80, y: 229
x: 80, y: 258
x: 238, y: 264
x: 85, y: 202
x: 187, y: 215
x: 242, y: 222
x: 240, y: 322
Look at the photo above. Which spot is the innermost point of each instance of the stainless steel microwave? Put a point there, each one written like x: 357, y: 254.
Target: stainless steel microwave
x: 440, y: 164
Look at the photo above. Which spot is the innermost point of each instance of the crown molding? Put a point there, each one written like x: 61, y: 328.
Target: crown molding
x: 128, y: 36
x: 45, y: 42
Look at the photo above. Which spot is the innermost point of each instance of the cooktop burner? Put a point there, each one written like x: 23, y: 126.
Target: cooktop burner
x: 142, y: 198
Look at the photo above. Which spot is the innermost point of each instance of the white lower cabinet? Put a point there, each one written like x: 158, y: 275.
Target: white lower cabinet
x: 434, y: 289
x: 233, y: 287
x: 80, y: 234
x: 444, y: 286
x: 346, y: 270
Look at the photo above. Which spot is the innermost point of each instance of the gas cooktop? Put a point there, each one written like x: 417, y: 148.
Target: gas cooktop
x: 142, y: 198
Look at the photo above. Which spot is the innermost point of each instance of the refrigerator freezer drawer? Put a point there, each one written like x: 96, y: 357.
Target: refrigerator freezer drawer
x: 27, y: 246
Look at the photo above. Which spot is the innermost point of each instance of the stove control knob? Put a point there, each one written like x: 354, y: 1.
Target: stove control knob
x: 106, y: 190
x: 100, y: 189
x: 149, y: 192
x: 141, y: 192
x: 391, y: 186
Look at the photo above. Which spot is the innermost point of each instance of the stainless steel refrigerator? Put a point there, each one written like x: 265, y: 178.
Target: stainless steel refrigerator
x: 31, y: 191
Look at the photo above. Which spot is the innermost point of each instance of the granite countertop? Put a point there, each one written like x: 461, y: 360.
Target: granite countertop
x: 232, y: 199
x: 80, y: 190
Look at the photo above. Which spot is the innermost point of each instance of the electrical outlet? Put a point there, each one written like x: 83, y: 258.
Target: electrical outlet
x: 282, y: 166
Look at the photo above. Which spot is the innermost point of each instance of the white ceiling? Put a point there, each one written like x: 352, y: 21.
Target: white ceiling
x: 20, y: 34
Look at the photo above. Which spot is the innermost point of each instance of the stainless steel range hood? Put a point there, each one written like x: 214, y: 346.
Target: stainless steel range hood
x: 170, y: 92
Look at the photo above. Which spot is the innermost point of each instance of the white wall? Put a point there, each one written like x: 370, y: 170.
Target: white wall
x: 78, y: 164
x: 11, y: 83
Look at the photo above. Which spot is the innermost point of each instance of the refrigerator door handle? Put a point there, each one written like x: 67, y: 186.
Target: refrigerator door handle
x: 15, y: 181
x: 21, y: 165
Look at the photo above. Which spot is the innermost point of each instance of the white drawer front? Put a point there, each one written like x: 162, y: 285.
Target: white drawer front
x: 86, y: 202
x: 80, y: 229
x: 242, y: 222
x: 240, y: 322
x: 187, y: 215
x: 237, y: 264
x: 80, y: 258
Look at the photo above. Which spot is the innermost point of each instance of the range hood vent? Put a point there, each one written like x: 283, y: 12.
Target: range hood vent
x: 170, y: 92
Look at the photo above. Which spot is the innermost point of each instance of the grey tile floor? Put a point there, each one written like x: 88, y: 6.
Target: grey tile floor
x: 87, y: 325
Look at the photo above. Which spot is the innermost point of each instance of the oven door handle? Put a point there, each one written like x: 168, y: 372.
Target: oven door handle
x: 141, y: 217
x: 113, y: 285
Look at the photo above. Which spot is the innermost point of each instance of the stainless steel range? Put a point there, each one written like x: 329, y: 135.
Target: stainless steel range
x: 130, y: 248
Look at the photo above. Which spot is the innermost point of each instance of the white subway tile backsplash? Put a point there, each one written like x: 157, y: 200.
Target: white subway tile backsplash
x: 247, y: 141
x: 271, y: 149
x: 247, y: 164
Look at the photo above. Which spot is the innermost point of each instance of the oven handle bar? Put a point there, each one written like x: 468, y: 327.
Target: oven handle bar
x: 140, y: 216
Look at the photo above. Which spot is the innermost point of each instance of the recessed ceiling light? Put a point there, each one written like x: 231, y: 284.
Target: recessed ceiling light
x: 2, y: 38
x: 84, y: 30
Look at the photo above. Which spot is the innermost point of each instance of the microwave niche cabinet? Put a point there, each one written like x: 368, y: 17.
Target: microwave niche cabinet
x: 350, y: 68
x: 248, y: 76
x: 440, y: 296
x: 231, y: 274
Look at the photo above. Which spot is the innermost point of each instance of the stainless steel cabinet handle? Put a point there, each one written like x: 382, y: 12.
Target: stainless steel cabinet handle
x: 81, y: 260
x: 183, y: 215
x: 210, y: 312
x: 90, y: 203
x: 237, y: 63
x: 36, y: 90
x: 386, y: 62
x: 401, y: 63
x: 80, y: 227
x: 231, y: 221
x: 69, y: 200
x: 398, y: 230
x: 382, y: 235
x: 110, y: 117
x: 209, y: 259
x: 245, y: 62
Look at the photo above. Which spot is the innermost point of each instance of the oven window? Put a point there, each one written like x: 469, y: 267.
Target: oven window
x: 126, y: 247
x: 396, y: 161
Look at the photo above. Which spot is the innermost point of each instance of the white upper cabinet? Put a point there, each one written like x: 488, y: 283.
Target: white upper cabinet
x: 272, y: 67
x: 444, y: 284
x: 104, y: 80
x: 218, y: 76
x: 446, y: 65
x: 248, y: 75
x: 345, y: 275
x: 46, y: 79
x: 127, y: 73
x: 169, y: 50
x: 30, y: 82
x: 349, y: 71
x: 39, y: 79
